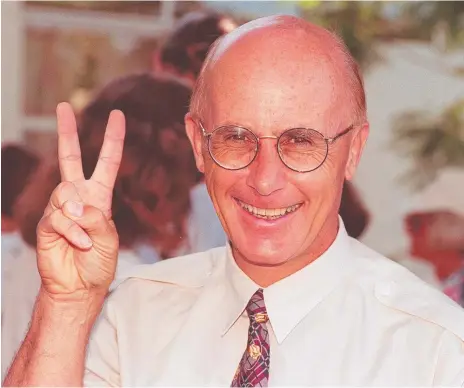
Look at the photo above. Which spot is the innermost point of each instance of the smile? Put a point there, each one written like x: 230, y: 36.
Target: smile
x: 268, y: 214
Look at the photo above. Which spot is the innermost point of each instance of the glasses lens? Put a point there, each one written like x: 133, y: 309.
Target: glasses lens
x: 233, y: 147
x: 302, y: 149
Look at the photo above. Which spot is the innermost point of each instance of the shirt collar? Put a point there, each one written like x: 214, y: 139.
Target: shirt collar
x: 289, y: 300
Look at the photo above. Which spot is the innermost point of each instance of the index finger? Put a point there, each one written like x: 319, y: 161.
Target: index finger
x: 110, y: 157
x: 69, y: 151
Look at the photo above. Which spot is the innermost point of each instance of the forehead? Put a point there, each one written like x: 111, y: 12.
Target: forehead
x: 269, y: 92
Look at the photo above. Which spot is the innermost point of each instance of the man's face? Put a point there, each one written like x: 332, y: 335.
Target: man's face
x: 268, y: 101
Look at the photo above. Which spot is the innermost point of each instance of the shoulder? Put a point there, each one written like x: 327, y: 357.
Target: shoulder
x: 180, y: 275
x: 401, y: 292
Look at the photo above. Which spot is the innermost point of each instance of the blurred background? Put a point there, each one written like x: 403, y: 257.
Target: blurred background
x: 411, y: 178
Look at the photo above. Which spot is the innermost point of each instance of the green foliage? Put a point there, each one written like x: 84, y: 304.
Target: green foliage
x: 433, y: 143
x: 425, y: 16
x: 357, y: 23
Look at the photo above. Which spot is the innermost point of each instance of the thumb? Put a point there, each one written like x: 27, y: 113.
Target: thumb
x: 92, y: 220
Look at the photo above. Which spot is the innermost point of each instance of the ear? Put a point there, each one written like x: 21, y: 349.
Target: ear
x: 358, y: 142
x: 196, y: 140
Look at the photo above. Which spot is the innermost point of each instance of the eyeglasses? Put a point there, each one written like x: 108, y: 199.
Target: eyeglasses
x: 300, y: 149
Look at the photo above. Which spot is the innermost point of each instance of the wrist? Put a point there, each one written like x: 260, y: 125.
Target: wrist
x: 80, y: 308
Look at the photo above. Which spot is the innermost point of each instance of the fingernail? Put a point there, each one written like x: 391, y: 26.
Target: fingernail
x: 75, y: 208
x: 85, y: 241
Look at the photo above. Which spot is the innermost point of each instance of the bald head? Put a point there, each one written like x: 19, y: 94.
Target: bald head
x: 283, y: 54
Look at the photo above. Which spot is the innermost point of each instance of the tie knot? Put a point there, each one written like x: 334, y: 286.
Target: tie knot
x: 256, y: 308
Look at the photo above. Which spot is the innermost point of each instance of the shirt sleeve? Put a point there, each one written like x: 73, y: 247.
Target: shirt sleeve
x: 102, y: 363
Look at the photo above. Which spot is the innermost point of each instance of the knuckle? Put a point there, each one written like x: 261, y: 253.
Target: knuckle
x: 63, y: 192
x: 41, y: 224
x: 95, y: 217
x: 56, y: 220
x: 60, y: 223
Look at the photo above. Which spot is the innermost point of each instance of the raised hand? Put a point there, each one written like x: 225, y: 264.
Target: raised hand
x: 77, y: 242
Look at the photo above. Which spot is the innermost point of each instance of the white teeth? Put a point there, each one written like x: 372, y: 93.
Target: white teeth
x: 270, y: 214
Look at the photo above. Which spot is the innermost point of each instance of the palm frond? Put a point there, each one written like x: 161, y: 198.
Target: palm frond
x: 433, y: 144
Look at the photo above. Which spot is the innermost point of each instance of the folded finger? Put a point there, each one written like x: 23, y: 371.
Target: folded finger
x: 58, y: 223
x: 89, y: 218
x: 65, y: 191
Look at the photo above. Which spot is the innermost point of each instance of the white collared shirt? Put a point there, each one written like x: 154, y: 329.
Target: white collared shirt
x: 352, y: 317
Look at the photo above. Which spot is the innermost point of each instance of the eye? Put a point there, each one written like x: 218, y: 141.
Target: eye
x: 304, y: 140
x: 299, y: 141
x: 236, y: 137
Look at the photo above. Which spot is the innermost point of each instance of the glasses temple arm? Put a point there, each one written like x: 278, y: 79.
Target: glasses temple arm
x: 343, y: 133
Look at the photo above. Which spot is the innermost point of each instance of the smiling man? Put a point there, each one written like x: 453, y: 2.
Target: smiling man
x: 277, y: 123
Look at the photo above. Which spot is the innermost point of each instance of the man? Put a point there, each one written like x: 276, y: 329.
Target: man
x: 18, y: 164
x: 292, y: 300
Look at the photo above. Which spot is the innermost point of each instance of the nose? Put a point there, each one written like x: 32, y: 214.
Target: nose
x: 266, y: 173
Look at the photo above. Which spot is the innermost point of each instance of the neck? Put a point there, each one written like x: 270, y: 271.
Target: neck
x: 265, y: 276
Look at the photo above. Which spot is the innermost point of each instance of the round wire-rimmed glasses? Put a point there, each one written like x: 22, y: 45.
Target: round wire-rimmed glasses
x: 300, y: 149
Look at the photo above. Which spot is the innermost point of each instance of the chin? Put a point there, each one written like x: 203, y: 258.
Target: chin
x: 266, y: 242
x: 264, y: 251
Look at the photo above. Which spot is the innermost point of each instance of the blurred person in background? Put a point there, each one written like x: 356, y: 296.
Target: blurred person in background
x: 436, y: 248
x: 18, y: 164
x: 185, y: 48
x: 353, y: 211
x: 442, y: 243
x: 182, y: 54
x: 151, y: 195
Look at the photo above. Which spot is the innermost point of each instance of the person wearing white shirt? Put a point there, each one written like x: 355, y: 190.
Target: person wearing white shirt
x: 350, y: 318
x: 277, y: 122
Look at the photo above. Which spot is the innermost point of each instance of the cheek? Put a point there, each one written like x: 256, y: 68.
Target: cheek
x: 321, y: 186
x: 221, y: 182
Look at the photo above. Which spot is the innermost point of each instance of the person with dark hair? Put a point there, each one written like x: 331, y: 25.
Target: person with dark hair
x: 185, y: 49
x: 151, y: 200
x: 353, y: 211
x: 18, y: 164
x: 182, y: 54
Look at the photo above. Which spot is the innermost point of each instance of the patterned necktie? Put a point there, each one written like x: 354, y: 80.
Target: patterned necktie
x: 253, y: 370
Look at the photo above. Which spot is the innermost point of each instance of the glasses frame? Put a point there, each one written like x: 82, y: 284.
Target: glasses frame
x: 328, y: 142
